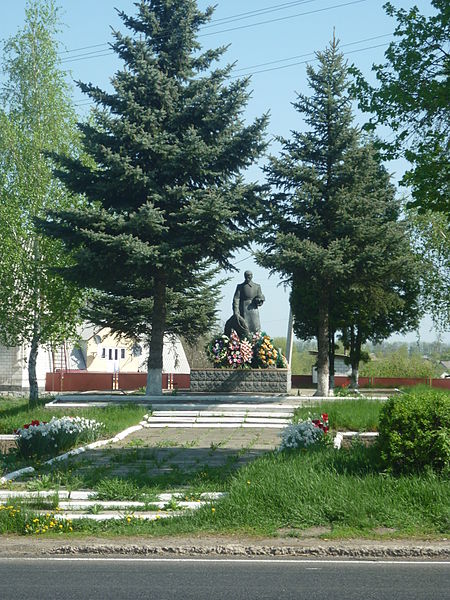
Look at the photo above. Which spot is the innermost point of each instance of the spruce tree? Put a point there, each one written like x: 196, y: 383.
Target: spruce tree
x: 380, y: 291
x: 300, y: 241
x: 335, y: 231
x: 166, y: 201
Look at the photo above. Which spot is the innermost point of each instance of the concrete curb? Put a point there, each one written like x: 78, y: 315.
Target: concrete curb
x: 319, y: 550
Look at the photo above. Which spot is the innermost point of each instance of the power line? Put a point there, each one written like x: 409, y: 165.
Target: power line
x: 83, y: 48
x: 312, y: 54
x: 310, y: 12
x: 273, y: 62
x: 303, y: 62
x: 215, y: 22
x: 97, y: 53
x: 88, y: 55
x: 255, y: 13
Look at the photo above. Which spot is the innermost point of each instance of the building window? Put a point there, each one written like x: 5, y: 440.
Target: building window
x: 116, y: 354
x: 110, y: 354
x: 122, y: 353
x: 103, y: 352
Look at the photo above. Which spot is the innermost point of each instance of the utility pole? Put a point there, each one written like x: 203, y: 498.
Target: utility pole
x: 290, y: 337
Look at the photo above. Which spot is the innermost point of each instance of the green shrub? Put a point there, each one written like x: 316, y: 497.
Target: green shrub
x: 415, y: 431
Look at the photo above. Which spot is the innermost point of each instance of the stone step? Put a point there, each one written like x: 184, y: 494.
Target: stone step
x: 220, y: 413
x: 226, y: 419
x: 107, y: 516
x: 81, y: 495
x: 171, y: 425
x: 83, y: 505
x: 237, y: 406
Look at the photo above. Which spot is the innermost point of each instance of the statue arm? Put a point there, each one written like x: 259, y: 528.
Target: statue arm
x: 260, y: 296
x: 236, y: 301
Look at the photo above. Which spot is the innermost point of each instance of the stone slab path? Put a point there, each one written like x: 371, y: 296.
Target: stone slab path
x: 188, y: 435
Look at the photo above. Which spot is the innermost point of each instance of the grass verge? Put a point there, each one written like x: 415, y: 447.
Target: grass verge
x: 345, y: 415
x: 14, y: 413
x: 289, y: 492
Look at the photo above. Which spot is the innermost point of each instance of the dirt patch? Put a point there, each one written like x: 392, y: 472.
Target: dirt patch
x: 309, y: 533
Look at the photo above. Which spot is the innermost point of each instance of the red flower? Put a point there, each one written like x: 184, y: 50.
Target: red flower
x: 325, y: 416
x: 34, y: 423
x: 26, y: 426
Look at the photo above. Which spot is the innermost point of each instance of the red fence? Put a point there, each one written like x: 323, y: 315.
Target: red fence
x: 84, y: 381
x: 299, y: 381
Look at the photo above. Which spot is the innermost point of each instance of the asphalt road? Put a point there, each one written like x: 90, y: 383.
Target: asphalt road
x: 186, y: 579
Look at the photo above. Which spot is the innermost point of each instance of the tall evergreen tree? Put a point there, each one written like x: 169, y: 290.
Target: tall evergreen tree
x: 166, y: 199
x: 36, y: 305
x: 301, y: 243
x: 380, y: 295
x: 336, y: 233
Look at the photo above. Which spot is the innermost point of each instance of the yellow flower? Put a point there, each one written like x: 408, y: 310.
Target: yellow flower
x: 128, y: 519
x: 248, y: 482
x: 213, y: 509
x: 70, y: 528
x: 60, y: 526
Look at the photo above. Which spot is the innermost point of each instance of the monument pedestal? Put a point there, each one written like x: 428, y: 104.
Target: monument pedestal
x: 253, y: 381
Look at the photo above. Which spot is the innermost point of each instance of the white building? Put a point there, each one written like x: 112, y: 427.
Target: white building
x: 97, y: 350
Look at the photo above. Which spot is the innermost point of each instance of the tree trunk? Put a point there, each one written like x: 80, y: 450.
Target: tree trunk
x: 32, y: 377
x: 354, y: 377
x: 355, y: 357
x: 155, y: 357
x: 322, y: 348
x: 331, y: 358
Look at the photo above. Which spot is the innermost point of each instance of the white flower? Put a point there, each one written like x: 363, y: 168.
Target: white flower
x: 300, y: 435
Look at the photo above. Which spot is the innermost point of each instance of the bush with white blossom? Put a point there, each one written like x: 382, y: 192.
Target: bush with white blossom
x: 40, y: 439
x: 301, y: 435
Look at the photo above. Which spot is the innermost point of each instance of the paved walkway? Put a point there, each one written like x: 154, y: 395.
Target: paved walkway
x: 156, y: 452
x: 187, y: 435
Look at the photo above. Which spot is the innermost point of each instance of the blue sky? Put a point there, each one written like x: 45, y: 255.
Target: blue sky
x: 284, y: 34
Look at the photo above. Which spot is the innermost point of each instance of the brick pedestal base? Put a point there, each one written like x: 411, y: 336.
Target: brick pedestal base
x: 257, y: 381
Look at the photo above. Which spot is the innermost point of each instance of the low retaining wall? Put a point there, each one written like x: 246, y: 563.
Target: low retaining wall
x: 259, y: 381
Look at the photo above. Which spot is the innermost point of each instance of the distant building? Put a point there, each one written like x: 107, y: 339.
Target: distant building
x: 340, y: 368
x: 97, y: 350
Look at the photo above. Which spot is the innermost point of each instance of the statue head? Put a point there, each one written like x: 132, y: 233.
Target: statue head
x: 248, y: 276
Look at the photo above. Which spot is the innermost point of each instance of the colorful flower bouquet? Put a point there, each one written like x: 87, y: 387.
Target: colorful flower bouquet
x: 257, y: 353
x: 42, y: 439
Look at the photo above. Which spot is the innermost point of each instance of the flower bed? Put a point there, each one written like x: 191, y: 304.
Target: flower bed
x: 305, y: 433
x: 40, y: 439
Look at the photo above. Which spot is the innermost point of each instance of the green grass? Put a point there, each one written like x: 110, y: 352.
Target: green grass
x: 345, y: 415
x: 293, y: 491
x: 14, y: 413
x: 137, y: 485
